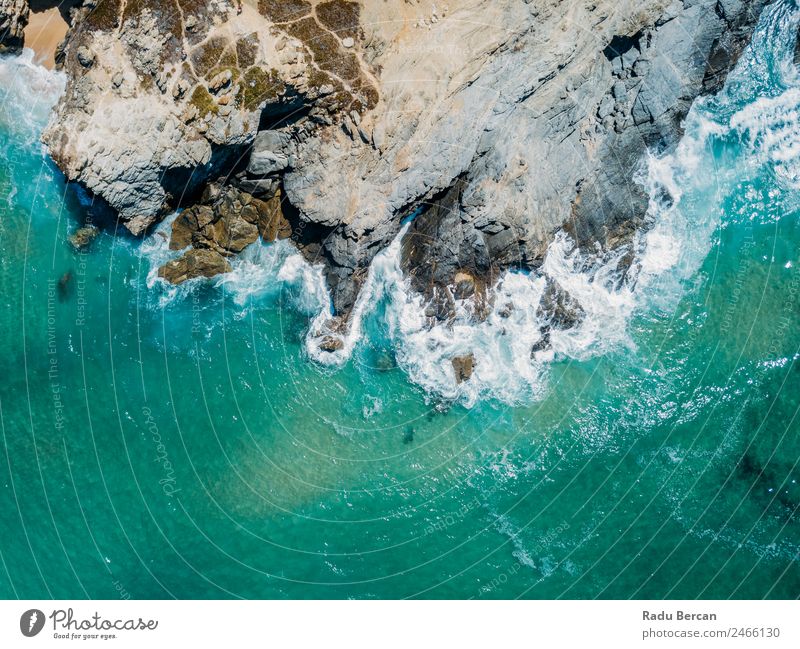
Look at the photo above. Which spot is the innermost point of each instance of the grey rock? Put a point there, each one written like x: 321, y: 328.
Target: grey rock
x: 493, y: 163
x: 85, y: 56
x: 365, y: 137
x: 606, y: 107
x: 270, y: 154
x: 641, y: 68
x: 629, y: 58
x: 13, y: 19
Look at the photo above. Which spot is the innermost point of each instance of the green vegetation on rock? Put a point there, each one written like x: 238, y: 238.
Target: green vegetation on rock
x: 259, y: 86
x: 341, y: 17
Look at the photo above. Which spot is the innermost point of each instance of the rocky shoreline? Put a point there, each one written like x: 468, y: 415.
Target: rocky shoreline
x: 496, y: 124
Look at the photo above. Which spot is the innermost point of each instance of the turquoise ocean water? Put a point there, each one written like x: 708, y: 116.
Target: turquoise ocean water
x: 185, y: 443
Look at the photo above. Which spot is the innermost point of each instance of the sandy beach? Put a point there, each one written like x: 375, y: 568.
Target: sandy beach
x: 45, y: 30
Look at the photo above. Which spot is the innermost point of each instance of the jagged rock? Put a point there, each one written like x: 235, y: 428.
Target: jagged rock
x: 194, y: 263
x: 271, y: 221
x: 331, y: 344
x: 222, y: 226
x: 82, y: 237
x: 13, y: 19
x: 606, y: 107
x: 220, y: 81
x: 181, y: 86
x: 463, y: 367
x: 797, y: 51
x: 229, y: 221
x: 542, y: 344
x: 558, y: 308
x: 464, y: 286
x: 145, y: 149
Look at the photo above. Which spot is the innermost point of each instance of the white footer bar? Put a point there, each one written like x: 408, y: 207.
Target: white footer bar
x: 405, y: 625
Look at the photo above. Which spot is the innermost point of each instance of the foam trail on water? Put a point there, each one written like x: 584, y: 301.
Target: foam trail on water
x: 261, y: 271
x: 771, y: 128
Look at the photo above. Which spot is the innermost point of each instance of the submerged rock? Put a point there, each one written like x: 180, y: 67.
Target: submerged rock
x: 82, y: 237
x: 64, y: 284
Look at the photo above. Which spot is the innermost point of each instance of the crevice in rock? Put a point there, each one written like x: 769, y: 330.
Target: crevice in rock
x: 292, y: 108
x: 184, y: 185
x: 620, y: 44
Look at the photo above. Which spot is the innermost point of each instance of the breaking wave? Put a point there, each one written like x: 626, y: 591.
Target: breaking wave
x: 30, y: 91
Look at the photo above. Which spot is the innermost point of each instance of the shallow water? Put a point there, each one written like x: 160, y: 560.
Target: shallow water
x: 162, y: 443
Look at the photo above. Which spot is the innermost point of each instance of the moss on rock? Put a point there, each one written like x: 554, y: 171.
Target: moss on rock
x: 208, y: 55
x: 203, y: 101
x: 246, y: 50
x: 281, y: 11
x: 259, y: 86
x: 341, y: 17
x: 105, y: 16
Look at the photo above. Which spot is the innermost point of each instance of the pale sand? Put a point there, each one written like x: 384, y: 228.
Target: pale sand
x: 45, y: 30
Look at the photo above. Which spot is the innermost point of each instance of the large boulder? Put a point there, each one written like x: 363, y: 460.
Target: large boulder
x: 194, y: 263
x: 270, y: 153
x: 228, y: 221
x: 463, y: 367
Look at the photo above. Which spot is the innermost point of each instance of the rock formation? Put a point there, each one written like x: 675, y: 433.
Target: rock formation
x: 13, y: 18
x: 226, y: 222
x: 496, y: 123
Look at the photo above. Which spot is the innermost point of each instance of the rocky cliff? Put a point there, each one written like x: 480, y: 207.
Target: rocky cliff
x: 13, y: 18
x: 496, y: 123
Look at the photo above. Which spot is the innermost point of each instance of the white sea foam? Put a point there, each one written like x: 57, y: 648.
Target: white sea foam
x: 686, y: 189
x: 28, y: 92
x: 155, y: 251
x: 771, y: 128
x: 260, y: 271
